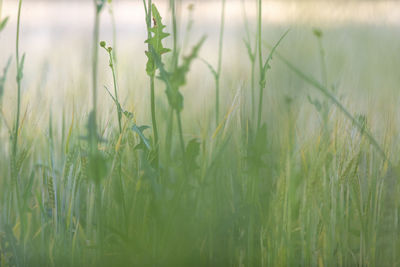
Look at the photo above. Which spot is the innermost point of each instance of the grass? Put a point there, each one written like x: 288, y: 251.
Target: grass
x: 281, y: 182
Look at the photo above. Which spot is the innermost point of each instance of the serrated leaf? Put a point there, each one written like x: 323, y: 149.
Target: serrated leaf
x: 155, y: 41
x: 178, y: 78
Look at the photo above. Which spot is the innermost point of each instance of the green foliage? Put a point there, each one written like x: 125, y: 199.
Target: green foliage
x: 3, y: 80
x: 155, y: 42
x: 267, y: 194
x: 144, y: 142
x: 3, y: 23
x: 177, y: 79
x: 266, y: 65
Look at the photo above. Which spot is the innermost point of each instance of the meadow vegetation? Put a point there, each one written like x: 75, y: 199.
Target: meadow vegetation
x: 259, y: 177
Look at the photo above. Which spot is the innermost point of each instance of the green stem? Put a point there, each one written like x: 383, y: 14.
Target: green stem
x: 153, y: 111
x: 95, y: 58
x: 15, y: 148
x: 181, y: 140
x: 252, y: 59
x: 170, y: 126
x: 14, y: 169
x: 174, y: 35
x: 219, y: 66
x: 259, y: 30
x: 112, y: 66
x: 114, y: 31
x: 175, y: 58
x: 151, y: 77
x: 253, y: 94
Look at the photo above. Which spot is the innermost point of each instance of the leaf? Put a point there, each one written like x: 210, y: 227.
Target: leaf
x: 3, y: 78
x: 266, y: 64
x: 178, y: 78
x: 211, y: 68
x: 249, y: 51
x: 3, y: 23
x: 155, y: 41
x: 144, y: 141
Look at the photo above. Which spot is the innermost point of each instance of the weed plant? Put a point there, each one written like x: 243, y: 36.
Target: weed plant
x: 244, y: 190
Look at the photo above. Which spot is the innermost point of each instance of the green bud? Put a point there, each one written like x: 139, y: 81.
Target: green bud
x: 103, y: 44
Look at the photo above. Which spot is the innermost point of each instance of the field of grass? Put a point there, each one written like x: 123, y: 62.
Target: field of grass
x: 226, y: 142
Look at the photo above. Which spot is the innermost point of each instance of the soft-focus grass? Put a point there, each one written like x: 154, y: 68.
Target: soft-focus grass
x: 282, y: 194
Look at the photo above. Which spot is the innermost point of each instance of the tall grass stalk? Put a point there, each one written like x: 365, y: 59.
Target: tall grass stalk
x: 219, y: 64
x: 114, y: 28
x: 115, y: 98
x: 260, y: 59
x: 95, y: 57
x: 251, y: 52
x: 14, y: 156
x: 19, y: 78
x: 112, y: 66
x: 175, y: 59
x: 148, y: 13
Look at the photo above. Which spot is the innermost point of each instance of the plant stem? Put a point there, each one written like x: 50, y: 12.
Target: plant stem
x: 153, y: 112
x: 151, y: 77
x: 219, y: 66
x: 259, y: 30
x: 95, y: 58
x: 181, y: 140
x: 170, y: 126
x: 114, y: 31
x: 174, y: 35
x: 14, y: 169
x: 112, y: 66
x: 175, y: 58
x: 15, y: 139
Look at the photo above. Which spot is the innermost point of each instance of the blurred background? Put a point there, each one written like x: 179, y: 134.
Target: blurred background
x: 361, y: 41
